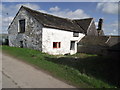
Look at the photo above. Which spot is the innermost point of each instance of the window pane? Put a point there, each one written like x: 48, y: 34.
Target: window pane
x: 75, y: 34
x: 54, y: 45
x: 59, y: 44
x: 22, y: 25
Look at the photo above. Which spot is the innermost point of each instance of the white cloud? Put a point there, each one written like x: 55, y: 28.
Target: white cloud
x: 115, y: 24
x: 114, y: 30
x: 7, y: 19
x: 110, y: 7
x: 8, y: 13
x: 76, y: 14
x: 54, y: 9
x: 6, y: 22
x: 111, y: 28
x: 32, y: 6
x: 12, y: 10
x: 0, y: 8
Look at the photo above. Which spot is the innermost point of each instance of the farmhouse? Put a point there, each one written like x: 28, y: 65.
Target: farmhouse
x: 48, y: 33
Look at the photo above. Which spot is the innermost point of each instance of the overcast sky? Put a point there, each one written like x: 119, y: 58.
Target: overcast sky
x: 74, y: 10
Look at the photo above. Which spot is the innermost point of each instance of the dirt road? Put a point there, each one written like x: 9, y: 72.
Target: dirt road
x: 17, y: 74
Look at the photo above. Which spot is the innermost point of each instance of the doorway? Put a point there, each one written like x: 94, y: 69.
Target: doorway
x: 21, y: 44
x: 72, y: 45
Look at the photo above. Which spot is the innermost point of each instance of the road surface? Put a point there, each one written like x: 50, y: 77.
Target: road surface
x: 0, y: 70
x: 17, y: 74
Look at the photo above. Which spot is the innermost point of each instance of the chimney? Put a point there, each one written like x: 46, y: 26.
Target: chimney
x: 100, y: 24
x: 100, y: 29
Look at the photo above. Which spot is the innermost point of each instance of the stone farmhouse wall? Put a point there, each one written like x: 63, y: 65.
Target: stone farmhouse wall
x: 31, y: 38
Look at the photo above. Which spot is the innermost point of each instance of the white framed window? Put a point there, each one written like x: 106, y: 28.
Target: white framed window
x: 56, y: 44
x: 75, y: 34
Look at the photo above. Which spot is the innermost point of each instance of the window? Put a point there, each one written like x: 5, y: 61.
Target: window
x: 72, y: 45
x: 21, y: 26
x: 75, y: 34
x: 56, y: 44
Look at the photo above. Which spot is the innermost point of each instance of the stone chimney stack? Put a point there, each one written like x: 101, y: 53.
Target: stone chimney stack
x: 100, y: 24
x: 100, y: 27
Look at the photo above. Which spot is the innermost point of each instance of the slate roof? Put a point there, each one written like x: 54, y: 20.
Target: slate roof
x: 106, y: 41
x: 113, y: 40
x: 94, y: 41
x: 51, y: 21
x: 84, y: 23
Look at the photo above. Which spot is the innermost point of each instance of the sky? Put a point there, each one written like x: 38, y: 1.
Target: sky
x: 73, y: 10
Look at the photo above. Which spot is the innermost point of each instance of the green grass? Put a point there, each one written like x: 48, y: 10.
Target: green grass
x: 75, y: 71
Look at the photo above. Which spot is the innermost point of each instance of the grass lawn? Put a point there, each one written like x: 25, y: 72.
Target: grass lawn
x: 80, y: 70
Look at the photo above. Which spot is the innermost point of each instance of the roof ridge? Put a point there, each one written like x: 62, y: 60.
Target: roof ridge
x: 53, y: 21
x: 46, y: 13
x: 67, y: 19
x: 83, y: 19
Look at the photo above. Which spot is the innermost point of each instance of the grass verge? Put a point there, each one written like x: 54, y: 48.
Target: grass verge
x: 62, y: 70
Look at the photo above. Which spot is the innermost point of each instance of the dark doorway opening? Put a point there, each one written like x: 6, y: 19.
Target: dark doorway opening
x: 72, y: 45
x: 21, y: 44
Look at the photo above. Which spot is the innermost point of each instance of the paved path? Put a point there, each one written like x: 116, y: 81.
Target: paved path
x: 0, y: 70
x: 17, y: 74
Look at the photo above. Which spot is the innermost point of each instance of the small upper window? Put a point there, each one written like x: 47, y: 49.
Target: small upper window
x: 56, y: 44
x: 21, y: 26
x: 75, y: 34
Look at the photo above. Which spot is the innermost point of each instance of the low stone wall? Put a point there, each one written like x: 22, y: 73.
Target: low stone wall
x: 99, y: 51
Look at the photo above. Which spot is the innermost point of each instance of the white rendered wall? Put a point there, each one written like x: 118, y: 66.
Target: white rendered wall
x: 54, y: 35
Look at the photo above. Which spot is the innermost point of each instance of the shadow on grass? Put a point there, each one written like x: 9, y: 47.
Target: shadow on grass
x: 103, y: 68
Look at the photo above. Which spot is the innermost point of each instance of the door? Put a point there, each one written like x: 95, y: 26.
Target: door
x: 72, y: 45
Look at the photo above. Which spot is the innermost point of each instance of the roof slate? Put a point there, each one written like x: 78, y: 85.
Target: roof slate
x: 94, y: 41
x: 84, y: 23
x: 107, y: 41
x: 51, y: 21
